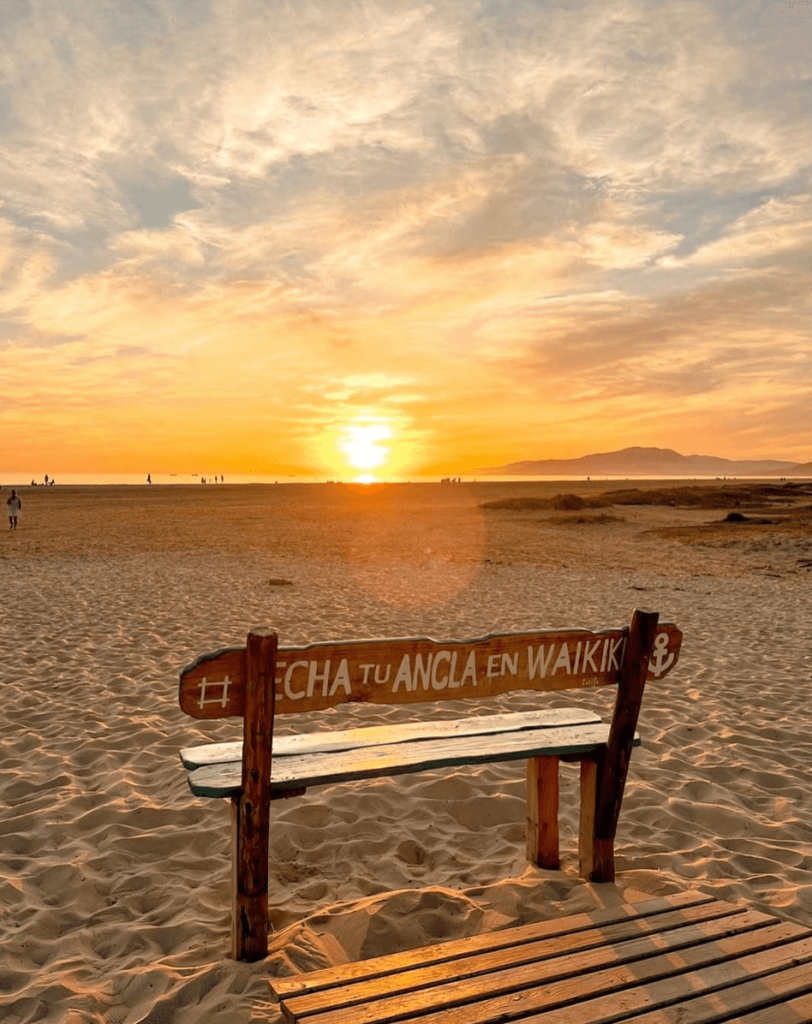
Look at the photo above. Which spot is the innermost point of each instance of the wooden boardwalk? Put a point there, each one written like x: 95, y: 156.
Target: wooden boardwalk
x: 682, y: 959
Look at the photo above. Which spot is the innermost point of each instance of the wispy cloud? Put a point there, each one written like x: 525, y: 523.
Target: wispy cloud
x: 509, y: 231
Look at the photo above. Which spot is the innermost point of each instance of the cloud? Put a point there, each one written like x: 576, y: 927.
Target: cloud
x: 433, y: 213
x: 675, y: 367
x: 27, y: 265
x: 786, y: 9
x: 773, y: 232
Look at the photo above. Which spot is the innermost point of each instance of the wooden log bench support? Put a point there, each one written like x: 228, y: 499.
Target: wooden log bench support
x: 262, y: 680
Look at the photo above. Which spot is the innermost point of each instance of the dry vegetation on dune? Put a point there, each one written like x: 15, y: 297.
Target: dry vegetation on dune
x: 768, y: 526
x: 560, y: 502
x: 768, y: 507
x: 599, y: 519
x: 736, y: 496
x: 753, y: 496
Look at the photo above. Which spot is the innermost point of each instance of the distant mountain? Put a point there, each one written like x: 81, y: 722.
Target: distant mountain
x: 643, y: 462
x: 798, y: 469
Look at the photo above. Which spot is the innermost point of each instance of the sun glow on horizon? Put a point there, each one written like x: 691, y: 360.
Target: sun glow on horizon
x: 361, y: 445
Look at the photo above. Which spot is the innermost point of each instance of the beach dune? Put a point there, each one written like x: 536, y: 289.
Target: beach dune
x: 114, y: 880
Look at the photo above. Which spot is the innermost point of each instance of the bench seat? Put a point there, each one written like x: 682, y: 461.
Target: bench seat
x: 378, y: 735
x: 412, y: 747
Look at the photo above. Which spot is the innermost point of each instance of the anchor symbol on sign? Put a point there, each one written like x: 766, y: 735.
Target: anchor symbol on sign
x: 661, y: 659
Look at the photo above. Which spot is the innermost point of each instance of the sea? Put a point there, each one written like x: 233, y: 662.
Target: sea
x: 13, y: 478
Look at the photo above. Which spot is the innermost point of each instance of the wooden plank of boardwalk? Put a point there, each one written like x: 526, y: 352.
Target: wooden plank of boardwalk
x: 681, y: 959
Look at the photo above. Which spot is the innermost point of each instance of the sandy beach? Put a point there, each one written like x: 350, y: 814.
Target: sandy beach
x: 115, y: 881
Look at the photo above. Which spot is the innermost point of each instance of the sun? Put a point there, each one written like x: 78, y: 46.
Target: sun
x: 361, y: 442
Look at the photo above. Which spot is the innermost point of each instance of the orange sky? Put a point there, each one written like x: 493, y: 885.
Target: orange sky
x: 402, y: 238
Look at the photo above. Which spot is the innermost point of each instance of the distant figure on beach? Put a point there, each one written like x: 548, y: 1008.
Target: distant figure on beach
x: 14, y: 508
x: 149, y: 478
x: 46, y: 479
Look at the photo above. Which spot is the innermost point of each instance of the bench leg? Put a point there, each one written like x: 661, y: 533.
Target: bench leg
x: 251, y: 808
x: 603, y: 778
x: 596, y: 856
x: 249, y: 884
x: 542, y: 812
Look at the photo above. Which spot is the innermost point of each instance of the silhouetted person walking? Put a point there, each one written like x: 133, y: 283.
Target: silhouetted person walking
x: 14, y: 509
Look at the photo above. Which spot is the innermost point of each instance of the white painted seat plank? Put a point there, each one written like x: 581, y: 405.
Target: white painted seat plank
x: 320, y: 768
x: 379, y: 735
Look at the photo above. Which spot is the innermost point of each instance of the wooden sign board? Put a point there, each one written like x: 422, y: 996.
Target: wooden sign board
x: 406, y: 671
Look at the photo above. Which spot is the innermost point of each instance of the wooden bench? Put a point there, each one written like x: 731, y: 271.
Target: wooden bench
x: 261, y: 680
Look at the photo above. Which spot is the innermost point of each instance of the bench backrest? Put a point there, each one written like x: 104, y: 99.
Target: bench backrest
x: 406, y: 671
